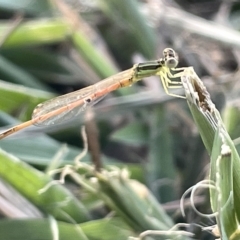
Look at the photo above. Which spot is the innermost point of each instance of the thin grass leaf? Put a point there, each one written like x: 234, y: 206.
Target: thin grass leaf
x: 134, y: 134
x: 21, y: 98
x: 225, y: 164
x: 160, y: 166
x: 35, y: 32
x: 89, y: 52
x: 129, y: 199
x: 33, y: 229
x: 56, y: 200
x: 126, y: 14
x: 33, y: 7
x: 15, y: 74
x: 107, y: 229
x: 185, y: 21
x: 86, y: 41
x: 47, y: 66
x: 40, y: 151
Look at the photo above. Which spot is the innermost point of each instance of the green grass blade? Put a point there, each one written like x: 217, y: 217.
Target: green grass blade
x: 35, y: 32
x: 160, y: 165
x: 33, y: 229
x: 225, y: 161
x: 15, y: 74
x: 126, y: 13
x: 33, y: 7
x: 92, y: 56
x: 29, y: 181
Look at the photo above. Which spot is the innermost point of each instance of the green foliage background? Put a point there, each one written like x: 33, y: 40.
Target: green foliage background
x: 47, y: 49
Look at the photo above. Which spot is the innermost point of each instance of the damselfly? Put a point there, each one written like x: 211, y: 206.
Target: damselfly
x: 63, y: 108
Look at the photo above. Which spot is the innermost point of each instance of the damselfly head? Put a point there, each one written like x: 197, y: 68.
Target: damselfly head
x: 170, y: 58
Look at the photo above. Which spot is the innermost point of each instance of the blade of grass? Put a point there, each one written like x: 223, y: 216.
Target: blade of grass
x: 126, y: 14
x: 33, y: 7
x: 56, y: 200
x: 35, y: 32
x: 225, y: 165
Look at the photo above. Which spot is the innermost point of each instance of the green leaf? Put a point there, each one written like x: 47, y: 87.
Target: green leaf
x: 30, y: 7
x: 231, y: 118
x: 21, y: 98
x: 35, y: 32
x: 126, y: 14
x: 134, y: 134
x: 225, y: 161
x: 13, y: 73
x: 107, y: 229
x: 101, y: 65
x: 160, y: 164
x: 221, y: 172
x: 38, y: 150
x: 47, y: 66
x: 131, y: 200
x: 56, y: 200
x: 35, y: 229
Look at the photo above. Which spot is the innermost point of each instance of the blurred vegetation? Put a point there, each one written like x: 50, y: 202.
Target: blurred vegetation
x: 50, y: 48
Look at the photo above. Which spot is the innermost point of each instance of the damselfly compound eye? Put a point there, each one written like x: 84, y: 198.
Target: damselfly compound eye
x: 169, y: 52
x: 170, y: 58
x: 171, y: 62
